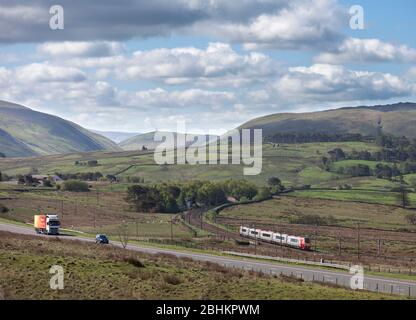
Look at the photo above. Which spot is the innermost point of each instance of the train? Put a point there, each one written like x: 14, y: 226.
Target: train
x: 302, y: 243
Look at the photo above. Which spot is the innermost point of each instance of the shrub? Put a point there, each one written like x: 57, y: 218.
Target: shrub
x: 3, y: 209
x: 135, y: 179
x: 75, y: 186
x: 411, y: 218
x: 172, y: 279
x: 133, y: 261
x: 264, y: 193
x: 92, y: 163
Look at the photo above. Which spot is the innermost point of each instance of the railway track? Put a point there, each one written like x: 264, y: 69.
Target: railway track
x: 193, y: 217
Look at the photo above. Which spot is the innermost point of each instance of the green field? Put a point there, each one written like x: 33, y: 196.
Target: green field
x: 294, y: 164
x: 363, y: 195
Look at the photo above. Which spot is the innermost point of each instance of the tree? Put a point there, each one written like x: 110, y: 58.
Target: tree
x: 337, y: 154
x: 123, y: 234
x: 2, y: 155
x: 402, y: 196
x: 75, y: 186
x: 3, y: 208
x: 145, y: 199
x: 111, y: 178
x: 274, y: 181
x: 240, y: 188
x: 92, y: 163
x: 263, y: 194
x: 211, y: 194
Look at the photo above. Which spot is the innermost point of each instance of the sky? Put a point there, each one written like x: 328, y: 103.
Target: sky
x: 139, y: 66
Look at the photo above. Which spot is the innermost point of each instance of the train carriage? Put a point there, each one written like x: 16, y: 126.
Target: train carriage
x: 302, y: 243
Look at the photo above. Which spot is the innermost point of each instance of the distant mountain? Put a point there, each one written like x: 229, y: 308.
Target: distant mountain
x: 25, y: 132
x: 147, y: 140
x: 115, y: 136
x: 397, y: 119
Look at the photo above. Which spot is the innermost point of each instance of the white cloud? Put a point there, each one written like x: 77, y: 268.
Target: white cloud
x: 324, y: 82
x: 44, y: 72
x: 218, y: 65
x: 300, y: 24
x: 367, y: 50
x: 81, y: 49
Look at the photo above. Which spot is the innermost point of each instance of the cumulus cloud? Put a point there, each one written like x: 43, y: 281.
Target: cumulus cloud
x: 256, y: 23
x: 324, y: 82
x: 300, y: 24
x: 218, y: 65
x: 94, y: 103
x: 44, y: 72
x: 367, y: 50
x: 80, y: 49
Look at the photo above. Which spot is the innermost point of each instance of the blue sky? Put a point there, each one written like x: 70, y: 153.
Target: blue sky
x: 139, y: 65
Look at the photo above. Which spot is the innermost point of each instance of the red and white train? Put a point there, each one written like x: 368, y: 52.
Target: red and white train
x: 302, y: 243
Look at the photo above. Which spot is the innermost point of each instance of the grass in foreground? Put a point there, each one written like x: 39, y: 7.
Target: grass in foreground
x: 93, y: 272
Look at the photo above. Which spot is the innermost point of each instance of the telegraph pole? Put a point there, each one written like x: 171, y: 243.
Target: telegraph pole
x: 358, y: 241
x: 339, y: 246
x: 62, y: 209
x: 171, y: 228
x: 137, y: 229
x: 378, y: 247
x: 95, y: 210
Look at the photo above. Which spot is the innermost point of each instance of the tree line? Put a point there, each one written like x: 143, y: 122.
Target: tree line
x: 175, y: 197
x: 382, y: 171
x: 310, y: 137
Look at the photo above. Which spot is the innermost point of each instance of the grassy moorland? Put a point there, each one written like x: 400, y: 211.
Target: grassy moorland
x: 294, y: 164
x: 89, y: 213
x: 342, y: 213
x: 93, y: 272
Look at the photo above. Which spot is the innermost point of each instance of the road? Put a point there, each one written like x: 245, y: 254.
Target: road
x: 372, y: 283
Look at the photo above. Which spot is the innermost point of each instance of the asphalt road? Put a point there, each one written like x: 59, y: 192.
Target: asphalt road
x: 372, y: 283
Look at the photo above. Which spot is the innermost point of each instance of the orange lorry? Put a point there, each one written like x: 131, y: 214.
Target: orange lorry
x: 47, y: 224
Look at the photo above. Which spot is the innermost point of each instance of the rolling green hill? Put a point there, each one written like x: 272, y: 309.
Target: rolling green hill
x: 25, y: 132
x: 397, y: 119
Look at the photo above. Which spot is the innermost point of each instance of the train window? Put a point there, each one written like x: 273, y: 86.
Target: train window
x: 254, y: 233
x: 244, y: 230
x: 294, y: 240
x: 267, y: 235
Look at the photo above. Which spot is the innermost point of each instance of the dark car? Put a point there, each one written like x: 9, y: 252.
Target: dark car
x: 101, y: 239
